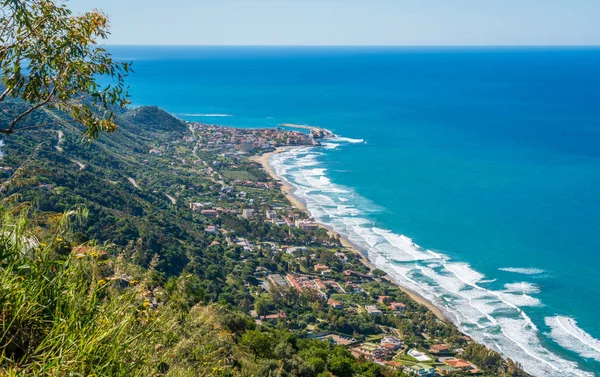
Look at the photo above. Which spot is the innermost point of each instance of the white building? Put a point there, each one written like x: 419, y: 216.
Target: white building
x: 306, y: 225
x: 372, y: 310
x: 248, y: 213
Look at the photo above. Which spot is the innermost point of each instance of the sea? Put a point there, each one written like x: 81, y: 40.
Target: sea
x: 470, y: 175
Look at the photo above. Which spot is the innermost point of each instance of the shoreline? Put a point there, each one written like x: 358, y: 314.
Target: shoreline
x: 288, y: 190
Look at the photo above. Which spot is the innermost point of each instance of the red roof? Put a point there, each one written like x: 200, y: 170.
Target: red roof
x: 457, y: 363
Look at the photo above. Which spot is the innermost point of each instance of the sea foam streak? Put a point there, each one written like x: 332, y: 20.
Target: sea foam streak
x: 564, y: 331
x: 493, y: 317
x: 524, y: 271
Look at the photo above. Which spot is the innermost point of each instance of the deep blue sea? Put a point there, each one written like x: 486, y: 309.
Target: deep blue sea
x: 470, y: 175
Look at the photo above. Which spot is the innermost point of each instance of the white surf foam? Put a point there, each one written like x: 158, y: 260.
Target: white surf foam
x: 493, y: 317
x: 522, y: 287
x: 524, y: 271
x: 564, y: 331
x: 348, y: 140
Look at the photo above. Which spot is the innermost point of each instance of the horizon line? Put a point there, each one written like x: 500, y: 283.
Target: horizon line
x: 375, y: 46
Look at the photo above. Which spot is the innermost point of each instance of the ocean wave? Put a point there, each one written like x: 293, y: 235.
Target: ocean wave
x: 204, y: 115
x: 348, y: 140
x: 567, y: 334
x: 493, y: 317
x: 522, y: 287
x: 524, y: 271
x: 330, y: 145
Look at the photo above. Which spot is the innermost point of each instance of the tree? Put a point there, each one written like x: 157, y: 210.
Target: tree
x: 49, y: 59
x: 259, y: 343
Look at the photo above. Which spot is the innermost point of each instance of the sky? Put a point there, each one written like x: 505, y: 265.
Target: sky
x: 349, y: 22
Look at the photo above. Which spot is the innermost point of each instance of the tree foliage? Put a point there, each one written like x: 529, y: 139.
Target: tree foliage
x: 49, y: 58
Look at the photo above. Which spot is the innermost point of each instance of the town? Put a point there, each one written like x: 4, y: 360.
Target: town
x: 298, y: 274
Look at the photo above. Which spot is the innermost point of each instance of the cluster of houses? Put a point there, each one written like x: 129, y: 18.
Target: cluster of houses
x: 438, y: 360
x: 246, y: 140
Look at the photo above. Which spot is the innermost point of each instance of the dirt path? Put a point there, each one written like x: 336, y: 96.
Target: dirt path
x: 60, y: 141
x: 134, y: 183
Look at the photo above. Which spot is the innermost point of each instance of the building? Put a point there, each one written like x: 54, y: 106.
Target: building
x: 248, y: 213
x: 446, y: 370
x: 397, y: 307
x: 277, y: 316
x: 306, y: 225
x: 372, y: 310
x: 439, y: 349
x: 321, y: 268
x: 270, y: 214
x: 420, y: 356
x: 211, y: 229
x: 459, y: 364
x: 393, y: 341
x: 421, y: 370
x: 334, y: 304
x: 277, y: 280
x: 209, y: 213
x: 196, y: 206
x: 245, y: 146
x: 371, y: 351
x: 342, y: 257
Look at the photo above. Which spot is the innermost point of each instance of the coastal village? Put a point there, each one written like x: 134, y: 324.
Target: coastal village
x: 301, y: 276
x: 195, y: 217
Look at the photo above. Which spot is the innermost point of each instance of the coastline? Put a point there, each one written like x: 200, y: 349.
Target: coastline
x: 288, y: 190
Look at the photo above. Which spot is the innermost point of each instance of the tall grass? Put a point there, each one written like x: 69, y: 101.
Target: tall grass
x: 62, y: 314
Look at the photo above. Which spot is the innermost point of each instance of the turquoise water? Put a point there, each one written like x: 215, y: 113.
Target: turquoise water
x: 488, y: 159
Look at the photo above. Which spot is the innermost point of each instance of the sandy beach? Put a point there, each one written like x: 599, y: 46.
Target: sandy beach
x: 288, y: 190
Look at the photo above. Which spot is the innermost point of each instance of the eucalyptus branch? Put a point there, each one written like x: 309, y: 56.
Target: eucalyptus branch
x: 11, y: 128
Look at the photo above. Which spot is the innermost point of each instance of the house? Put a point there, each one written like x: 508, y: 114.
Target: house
x: 397, y: 307
x: 196, y: 206
x: 211, y: 229
x: 342, y: 257
x: 392, y: 341
x: 372, y: 310
x: 334, y: 304
x: 459, y: 364
x: 371, y: 351
x: 277, y: 316
x: 277, y: 280
x: 321, y: 268
x: 270, y: 214
x: 445, y: 370
x: 439, y: 349
x: 422, y: 370
x: 420, y: 356
x: 383, y: 299
x: 248, y: 213
x: 306, y: 225
x: 209, y: 213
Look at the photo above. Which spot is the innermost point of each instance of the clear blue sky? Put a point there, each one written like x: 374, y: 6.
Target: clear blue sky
x: 350, y: 22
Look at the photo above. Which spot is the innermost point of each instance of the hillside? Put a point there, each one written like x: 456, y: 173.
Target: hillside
x: 166, y: 245
x: 154, y: 119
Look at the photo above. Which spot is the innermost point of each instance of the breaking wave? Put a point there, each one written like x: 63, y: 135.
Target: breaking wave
x: 494, y: 317
x: 524, y: 271
x: 348, y: 140
x: 564, y: 331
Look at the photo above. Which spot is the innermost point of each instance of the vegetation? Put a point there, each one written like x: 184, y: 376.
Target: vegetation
x: 108, y: 267
x: 49, y: 58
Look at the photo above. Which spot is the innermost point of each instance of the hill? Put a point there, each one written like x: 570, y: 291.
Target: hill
x: 112, y: 268
x: 154, y: 119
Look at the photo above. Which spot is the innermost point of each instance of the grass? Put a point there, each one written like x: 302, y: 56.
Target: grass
x: 62, y: 315
x: 231, y: 175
